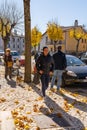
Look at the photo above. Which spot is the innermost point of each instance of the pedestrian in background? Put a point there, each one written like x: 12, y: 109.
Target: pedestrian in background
x: 59, y: 67
x: 8, y: 63
x: 44, y: 66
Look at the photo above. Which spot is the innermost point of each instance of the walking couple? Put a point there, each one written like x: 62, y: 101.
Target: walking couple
x: 48, y: 65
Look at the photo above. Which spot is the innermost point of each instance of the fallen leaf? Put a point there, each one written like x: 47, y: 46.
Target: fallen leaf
x: 26, y: 127
x: 40, y: 98
x: 28, y: 112
x: 78, y: 111
x: 16, y: 101
x: 59, y: 115
x: 38, y: 128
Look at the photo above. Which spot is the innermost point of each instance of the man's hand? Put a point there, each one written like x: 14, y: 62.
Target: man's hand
x: 41, y: 72
x: 50, y: 73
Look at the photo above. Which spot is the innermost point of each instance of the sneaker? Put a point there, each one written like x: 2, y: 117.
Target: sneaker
x: 58, y: 88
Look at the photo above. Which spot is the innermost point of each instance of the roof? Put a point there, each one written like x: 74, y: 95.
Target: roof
x: 66, y: 28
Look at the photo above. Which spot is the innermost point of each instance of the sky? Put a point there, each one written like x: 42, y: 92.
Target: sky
x: 64, y: 12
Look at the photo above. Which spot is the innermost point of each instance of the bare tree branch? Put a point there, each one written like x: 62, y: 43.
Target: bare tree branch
x: 13, y: 14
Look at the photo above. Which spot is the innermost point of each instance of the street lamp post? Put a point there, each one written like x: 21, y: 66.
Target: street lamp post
x: 5, y: 29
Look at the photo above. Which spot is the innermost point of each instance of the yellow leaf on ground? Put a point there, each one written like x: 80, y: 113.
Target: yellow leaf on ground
x: 26, y: 127
x: 38, y: 128
x: 16, y: 101
x: 85, y: 128
x: 59, y: 115
x: 40, y: 98
x: 28, y: 112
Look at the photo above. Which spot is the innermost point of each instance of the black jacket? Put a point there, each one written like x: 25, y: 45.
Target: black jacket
x: 45, y: 63
x: 59, y: 61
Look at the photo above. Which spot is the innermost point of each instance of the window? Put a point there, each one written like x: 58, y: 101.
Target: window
x: 18, y: 39
x: 23, y: 40
x: 13, y: 39
x: 82, y: 41
x: 46, y: 39
x: 14, y: 46
x: 60, y: 42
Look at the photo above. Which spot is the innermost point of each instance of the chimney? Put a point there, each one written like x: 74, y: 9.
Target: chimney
x: 76, y: 23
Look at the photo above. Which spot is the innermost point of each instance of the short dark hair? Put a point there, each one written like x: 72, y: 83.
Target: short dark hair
x: 44, y: 47
x: 59, y: 47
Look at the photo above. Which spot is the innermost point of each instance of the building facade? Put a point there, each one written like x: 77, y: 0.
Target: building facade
x: 16, y: 42
x: 68, y: 44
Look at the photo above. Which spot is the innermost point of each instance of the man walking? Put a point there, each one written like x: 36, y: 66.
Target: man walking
x: 44, y: 66
x: 59, y: 66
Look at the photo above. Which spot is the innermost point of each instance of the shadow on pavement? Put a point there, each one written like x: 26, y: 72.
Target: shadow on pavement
x: 81, y: 89
x: 77, y: 104
x: 12, y: 83
x: 52, y: 105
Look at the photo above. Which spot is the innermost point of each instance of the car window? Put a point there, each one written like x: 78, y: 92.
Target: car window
x: 84, y: 55
x: 74, y: 61
x: 1, y: 53
x: 14, y: 54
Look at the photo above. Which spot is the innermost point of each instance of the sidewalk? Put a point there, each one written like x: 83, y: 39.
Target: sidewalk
x: 61, y: 111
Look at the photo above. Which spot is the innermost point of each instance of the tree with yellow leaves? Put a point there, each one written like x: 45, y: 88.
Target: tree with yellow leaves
x: 35, y: 37
x: 54, y: 32
x: 78, y: 34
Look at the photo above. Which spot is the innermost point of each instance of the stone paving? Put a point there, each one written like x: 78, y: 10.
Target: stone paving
x: 25, y: 103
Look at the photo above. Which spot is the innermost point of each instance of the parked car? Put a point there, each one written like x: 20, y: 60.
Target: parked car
x: 83, y: 57
x: 22, y: 60
x: 1, y: 52
x: 76, y: 71
x: 15, y: 55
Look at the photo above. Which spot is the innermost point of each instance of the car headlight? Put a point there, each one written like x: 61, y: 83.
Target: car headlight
x: 71, y: 73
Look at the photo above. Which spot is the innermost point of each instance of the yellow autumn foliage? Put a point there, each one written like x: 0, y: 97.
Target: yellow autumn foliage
x: 54, y: 31
x: 35, y: 36
x: 8, y: 27
x: 4, y: 29
x: 77, y: 34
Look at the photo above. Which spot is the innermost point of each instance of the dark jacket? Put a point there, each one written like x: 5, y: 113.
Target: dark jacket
x: 7, y: 58
x: 45, y: 63
x: 59, y: 61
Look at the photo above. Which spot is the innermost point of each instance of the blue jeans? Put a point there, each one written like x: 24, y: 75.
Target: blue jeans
x: 45, y: 78
x: 57, y: 75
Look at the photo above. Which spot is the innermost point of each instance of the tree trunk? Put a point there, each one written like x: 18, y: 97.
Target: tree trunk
x: 5, y: 44
x: 77, y: 47
x: 35, y: 50
x: 27, y: 76
x: 55, y: 46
